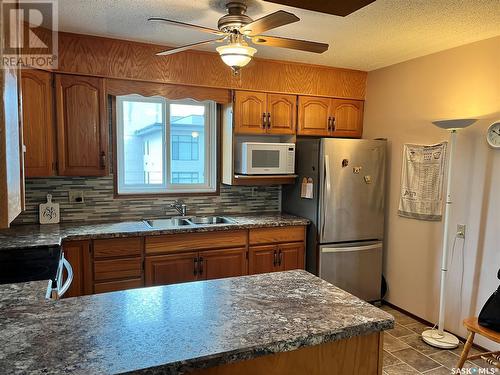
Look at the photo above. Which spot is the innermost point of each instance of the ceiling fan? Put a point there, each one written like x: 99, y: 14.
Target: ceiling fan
x: 236, y: 29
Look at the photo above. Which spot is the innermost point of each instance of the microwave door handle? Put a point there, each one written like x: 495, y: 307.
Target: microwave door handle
x: 69, y: 280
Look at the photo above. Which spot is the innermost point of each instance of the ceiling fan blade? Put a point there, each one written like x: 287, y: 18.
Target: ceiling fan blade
x: 187, y: 46
x: 187, y: 25
x: 271, y: 21
x: 302, y: 45
x: 335, y: 7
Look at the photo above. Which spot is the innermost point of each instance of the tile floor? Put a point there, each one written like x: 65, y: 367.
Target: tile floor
x: 405, y: 353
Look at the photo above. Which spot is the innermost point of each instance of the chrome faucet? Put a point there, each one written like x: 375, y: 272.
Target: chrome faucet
x: 180, y: 207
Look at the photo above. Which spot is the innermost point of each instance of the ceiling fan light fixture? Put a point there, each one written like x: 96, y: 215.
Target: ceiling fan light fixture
x: 236, y: 55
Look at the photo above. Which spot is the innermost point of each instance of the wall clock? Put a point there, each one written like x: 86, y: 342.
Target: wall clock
x: 493, y: 135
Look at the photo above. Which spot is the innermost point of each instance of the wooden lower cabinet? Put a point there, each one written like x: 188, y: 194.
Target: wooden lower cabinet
x: 273, y: 258
x: 171, y: 269
x: 107, y: 265
x: 117, y: 269
x: 291, y: 256
x: 262, y: 259
x: 113, y: 286
x: 192, y: 266
x: 217, y: 264
x: 78, y: 254
x: 359, y: 355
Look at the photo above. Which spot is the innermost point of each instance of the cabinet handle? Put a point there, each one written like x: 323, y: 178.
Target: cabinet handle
x: 103, y: 160
x: 329, y: 123
x: 280, y: 258
x: 268, y: 120
x: 200, y: 265
x: 263, y: 120
x: 195, y: 270
x: 333, y: 124
x: 275, y: 259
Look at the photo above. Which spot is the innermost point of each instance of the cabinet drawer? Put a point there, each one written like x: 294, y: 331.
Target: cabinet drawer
x: 117, y: 247
x: 275, y: 235
x: 117, y: 268
x: 112, y: 286
x: 194, y: 241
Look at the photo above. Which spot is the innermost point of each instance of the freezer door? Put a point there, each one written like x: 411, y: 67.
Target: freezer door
x: 354, y: 267
x: 352, y: 189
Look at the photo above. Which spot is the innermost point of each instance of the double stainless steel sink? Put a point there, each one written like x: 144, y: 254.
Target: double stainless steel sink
x: 188, y: 221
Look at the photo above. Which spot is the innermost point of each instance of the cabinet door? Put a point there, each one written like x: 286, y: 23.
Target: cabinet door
x: 171, y: 269
x: 81, y: 126
x: 291, y: 256
x: 314, y: 114
x: 217, y: 264
x: 249, y: 112
x: 38, y: 123
x: 347, y: 118
x: 262, y: 259
x: 281, y: 111
x: 77, y: 253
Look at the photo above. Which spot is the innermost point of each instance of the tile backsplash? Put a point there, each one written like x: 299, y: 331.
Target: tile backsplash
x: 100, y: 205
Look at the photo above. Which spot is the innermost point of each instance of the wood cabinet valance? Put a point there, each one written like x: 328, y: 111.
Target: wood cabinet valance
x: 169, y: 91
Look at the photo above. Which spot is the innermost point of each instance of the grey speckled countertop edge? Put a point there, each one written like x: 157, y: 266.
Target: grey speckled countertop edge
x: 185, y: 367
x: 37, y: 236
x: 178, y: 328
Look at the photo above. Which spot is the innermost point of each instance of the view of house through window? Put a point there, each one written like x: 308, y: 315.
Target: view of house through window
x: 165, y: 145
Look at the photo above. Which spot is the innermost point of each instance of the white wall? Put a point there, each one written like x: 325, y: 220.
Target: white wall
x: 401, y: 102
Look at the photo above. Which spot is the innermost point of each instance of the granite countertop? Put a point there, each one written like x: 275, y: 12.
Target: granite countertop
x: 174, y: 329
x: 33, y: 236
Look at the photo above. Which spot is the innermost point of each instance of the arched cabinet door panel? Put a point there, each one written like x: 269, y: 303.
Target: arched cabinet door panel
x: 348, y: 118
x: 250, y: 112
x: 314, y: 115
x: 281, y: 112
x: 82, y: 136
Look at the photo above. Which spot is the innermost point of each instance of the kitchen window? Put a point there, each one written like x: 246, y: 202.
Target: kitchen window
x: 165, y: 146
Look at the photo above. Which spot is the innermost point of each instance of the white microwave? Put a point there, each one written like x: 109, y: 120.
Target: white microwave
x: 254, y: 158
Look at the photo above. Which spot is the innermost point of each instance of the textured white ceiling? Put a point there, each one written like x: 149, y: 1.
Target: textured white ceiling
x: 381, y: 34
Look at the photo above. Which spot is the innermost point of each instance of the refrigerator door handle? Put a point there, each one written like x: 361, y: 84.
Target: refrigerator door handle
x: 350, y: 249
x: 327, y: 193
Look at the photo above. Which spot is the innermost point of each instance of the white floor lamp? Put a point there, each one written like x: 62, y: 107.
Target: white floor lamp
x: 438, y: 337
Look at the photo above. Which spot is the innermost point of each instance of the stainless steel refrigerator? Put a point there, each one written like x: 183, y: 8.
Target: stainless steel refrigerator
x: 344, y: 242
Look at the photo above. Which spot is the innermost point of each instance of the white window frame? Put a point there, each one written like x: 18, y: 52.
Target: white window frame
x: 210, y: 150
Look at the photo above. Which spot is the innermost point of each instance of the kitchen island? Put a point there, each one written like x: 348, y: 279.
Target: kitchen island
x: 278, y: 323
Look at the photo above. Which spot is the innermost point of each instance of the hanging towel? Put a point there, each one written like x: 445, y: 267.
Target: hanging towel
x: 422, y: 178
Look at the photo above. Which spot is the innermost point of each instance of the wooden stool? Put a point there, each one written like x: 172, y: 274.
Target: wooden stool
x: 473, y: 327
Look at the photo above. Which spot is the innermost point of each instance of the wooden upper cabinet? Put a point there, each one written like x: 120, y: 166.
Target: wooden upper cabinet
x: 81, y: 126
x: 281, y: 113
x: 261, y: 113
x: 327, y: 117
x: 250, y: 112
x: 347, y: 118
x: 38, y: 123
x: 216, y: 264
x: 314, y: 116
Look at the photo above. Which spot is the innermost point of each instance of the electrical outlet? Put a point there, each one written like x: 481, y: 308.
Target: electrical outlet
x: 461, y: 231
x: 76, y: 196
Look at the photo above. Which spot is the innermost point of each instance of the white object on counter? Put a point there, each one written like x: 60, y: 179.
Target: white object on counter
x: 49, y: 212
